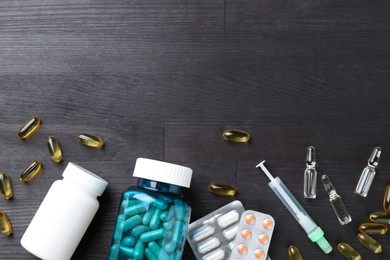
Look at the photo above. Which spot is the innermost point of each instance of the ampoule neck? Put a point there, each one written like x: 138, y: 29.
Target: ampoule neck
x: 156, y: 186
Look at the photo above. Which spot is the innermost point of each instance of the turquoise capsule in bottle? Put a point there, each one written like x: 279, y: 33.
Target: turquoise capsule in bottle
x: 153, y: 216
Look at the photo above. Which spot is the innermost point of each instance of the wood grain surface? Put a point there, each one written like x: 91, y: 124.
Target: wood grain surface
x: 162, y: 79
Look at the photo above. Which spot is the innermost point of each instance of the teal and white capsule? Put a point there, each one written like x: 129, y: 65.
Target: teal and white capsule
x: 152, y: 235
x: 131, y: 222
x: 154, y: 247
x: 169, y: 224
x: 148, y: 216
x: 128, y: 241
x: 114, y: 252
x: 164, y: 215
x: 170, y: 247
x: 180, y: 209
x: 129, y: 194
x: 160, y: 204
x: 118, y: 231
x: 149, y: 254
x: 127, y: 251
x: 178, y: 232
x: 138, y: 230
x: 155, y: 221
x: 136, y: 209
x: 139, y: 250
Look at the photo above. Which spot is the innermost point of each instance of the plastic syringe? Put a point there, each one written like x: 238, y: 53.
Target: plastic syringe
x: 313, y: 231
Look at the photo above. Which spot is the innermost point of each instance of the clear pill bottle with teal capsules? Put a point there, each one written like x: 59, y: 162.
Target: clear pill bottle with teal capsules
x: 153, y: 217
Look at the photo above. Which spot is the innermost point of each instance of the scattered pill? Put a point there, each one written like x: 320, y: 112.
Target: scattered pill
x: 246, y: 233
x: 218, y: 254
x: 29, y: 127
x: 348, y: 251
x: 90, y: 140
x: 263, y: 238
x: 370, y: 243
x: 5, y: 186
x: 31, y: 170
x: 236, y: 136
x: 202, y: 232
x: 373, y: 228
x: 267, y: 223
x: 294, y: 253
x: 222, y: 189
x: 208, y: 245
x: 54, y: 149
x: 5, y: 225
x: 259, y: 253
x: 228, y: 218
x: 380, y: 217
x: 386, y: 199
x: 250, y: 219
x: 242, y: 249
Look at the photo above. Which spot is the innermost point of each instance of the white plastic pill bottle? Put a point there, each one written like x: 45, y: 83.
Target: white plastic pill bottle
x: 64, y: 215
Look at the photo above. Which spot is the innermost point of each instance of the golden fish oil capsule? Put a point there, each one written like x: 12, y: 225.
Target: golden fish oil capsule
x: 31, y: 170
x: 370, y: 243
x: 5, y: 225
x: 373, y: 228
x: 294, y: 253
x: 386, y: 200
x: 5, y: 186
x: 90, y: 140
x: 348, y: 251
x: 222, y: 189
x: 236, y: 136
x: 380, y: 217
x: 54, y: 149
x: 29, y: 127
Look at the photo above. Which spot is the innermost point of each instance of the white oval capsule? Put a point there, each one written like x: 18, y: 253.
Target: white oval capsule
x: 202, y: 232
x: 228, y: 219
x: 218, y: 254
x: 207, y: 245
x: 230, y: 233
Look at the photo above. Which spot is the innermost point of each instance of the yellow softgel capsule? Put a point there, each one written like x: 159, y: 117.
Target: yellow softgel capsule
x: 370, y: 243
x: 294, y: 253
x: 90, y: 140
x: 54, y: 149
x: 380, y: 217
x: 31, y: 170
x: 386, y: 199
x: 348, y: 251
x: 373, y: 228
x: 5, y: 225
x: 29, y: 127
x: 222, y: 189
x: 236, y: 136
x: 5, y: 186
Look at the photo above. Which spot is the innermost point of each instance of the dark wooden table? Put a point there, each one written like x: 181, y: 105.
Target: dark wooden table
x: 162, y: 79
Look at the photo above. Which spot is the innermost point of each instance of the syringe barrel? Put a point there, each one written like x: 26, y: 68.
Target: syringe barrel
x: 291, y: 203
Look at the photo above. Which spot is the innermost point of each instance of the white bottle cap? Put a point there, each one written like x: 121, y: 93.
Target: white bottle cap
x: 85, y: 178
x: 163, y: 172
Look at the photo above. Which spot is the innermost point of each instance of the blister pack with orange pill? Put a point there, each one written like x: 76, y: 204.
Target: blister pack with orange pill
x: 253, y: 236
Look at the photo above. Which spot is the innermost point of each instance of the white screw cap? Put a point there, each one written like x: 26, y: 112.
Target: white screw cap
x: 163, y: 172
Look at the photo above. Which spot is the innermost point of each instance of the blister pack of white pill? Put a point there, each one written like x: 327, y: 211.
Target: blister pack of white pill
x: 254, y: 235
x: 211, y: 236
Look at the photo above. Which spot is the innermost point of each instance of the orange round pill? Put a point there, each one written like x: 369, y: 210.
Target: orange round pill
x: 263, y: 238
x: 259, y: 253
x: 267, y: 223
x: 242, y: 249
x: 246, y: 233
x: 250, y: 219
